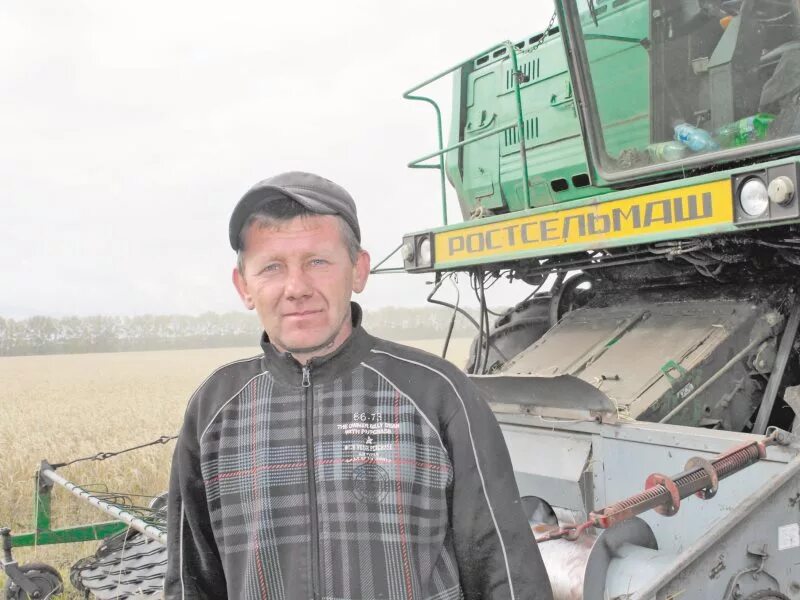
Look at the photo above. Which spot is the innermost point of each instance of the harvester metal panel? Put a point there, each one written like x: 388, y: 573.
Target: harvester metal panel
x: 638, y: 354
x: 538, y: 395
x: 627, y: 465
x: 550, y: 461
x: 748, y: 533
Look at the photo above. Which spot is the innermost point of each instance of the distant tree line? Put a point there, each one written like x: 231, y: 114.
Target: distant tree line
x: 424, y: 322
x: 71, y: 335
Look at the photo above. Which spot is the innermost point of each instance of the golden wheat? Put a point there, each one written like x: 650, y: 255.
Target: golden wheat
x: 67, y: 406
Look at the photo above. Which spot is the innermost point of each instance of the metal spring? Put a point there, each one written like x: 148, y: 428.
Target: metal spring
x: 685, y: 482
x: 739, y: 459
x: 688, y: 483
x: 654, y: 493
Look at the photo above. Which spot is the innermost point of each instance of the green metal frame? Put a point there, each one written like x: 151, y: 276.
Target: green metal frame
x: 508, y: 199
x: 43, y: 533
x: 520, y: 124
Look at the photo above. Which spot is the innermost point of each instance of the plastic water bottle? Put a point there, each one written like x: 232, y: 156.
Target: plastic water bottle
x: 666, y: 151
x: 744, y: 131
x: 696, y: 139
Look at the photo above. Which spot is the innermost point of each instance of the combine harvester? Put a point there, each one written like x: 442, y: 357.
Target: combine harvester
x: 635, y: 169
x: 637, y: 165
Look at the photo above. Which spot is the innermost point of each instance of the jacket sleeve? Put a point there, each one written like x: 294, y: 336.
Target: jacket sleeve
x: 194, y: 568
x: 497, y: 555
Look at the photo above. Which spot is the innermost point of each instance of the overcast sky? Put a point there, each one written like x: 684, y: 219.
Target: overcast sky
x: 129, y: 130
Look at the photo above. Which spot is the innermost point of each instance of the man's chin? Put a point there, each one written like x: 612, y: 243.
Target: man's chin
x: 308, y: 344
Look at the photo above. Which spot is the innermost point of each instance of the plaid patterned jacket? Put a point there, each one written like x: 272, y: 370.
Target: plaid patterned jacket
x: 376, y: 473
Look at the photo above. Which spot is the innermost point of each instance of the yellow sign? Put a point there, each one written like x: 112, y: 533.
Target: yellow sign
x: 659, y: 212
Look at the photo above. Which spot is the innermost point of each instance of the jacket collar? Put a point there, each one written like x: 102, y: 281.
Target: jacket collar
x: 286, y: 368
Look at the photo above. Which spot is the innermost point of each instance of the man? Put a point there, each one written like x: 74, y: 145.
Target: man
x: 337, y: 465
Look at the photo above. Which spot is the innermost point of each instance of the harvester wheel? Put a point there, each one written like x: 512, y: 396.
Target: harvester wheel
x: 767, y: 595
x: 517, y: 329
x: 46, y: 579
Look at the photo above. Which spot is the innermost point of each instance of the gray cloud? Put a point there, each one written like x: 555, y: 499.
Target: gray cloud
x: 130, y: 129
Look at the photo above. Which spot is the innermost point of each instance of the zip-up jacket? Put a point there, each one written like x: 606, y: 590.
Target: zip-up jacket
x: 375, y: 472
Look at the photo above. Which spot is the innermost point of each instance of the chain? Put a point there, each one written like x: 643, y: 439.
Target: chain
x: 544, y: 34
x: 104, y: 455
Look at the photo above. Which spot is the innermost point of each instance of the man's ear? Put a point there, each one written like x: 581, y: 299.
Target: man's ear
x: 361, y: 271
x: 241, y: 286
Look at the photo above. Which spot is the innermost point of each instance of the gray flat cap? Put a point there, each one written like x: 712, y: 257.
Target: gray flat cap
x: 317, y: 194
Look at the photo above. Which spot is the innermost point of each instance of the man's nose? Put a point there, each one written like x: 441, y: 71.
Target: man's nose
x: 298, y: 284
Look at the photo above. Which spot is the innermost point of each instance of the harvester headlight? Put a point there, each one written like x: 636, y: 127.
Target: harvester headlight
x: 424, y: 253
x: 408, y: 252
x: 753, y: 197
x: 417, y: 251
x: 767, y: 195
x: 781, y: 190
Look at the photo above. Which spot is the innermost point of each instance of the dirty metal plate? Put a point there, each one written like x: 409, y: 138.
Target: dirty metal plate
x: 566, y: 343
x: 522, y: 393
x: 685, y: 333
x: 549, y: 466
x: 627, y: 464
x: 622, y: 350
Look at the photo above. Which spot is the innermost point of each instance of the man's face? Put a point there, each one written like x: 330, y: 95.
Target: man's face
x: 299, y: 278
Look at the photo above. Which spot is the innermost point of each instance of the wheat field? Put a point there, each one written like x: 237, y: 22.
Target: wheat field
x: 64, y: 407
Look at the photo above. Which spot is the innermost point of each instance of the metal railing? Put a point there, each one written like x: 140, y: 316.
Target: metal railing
x: 517, y: 77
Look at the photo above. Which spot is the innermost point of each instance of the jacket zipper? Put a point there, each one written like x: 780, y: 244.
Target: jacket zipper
x: 312, y: 481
